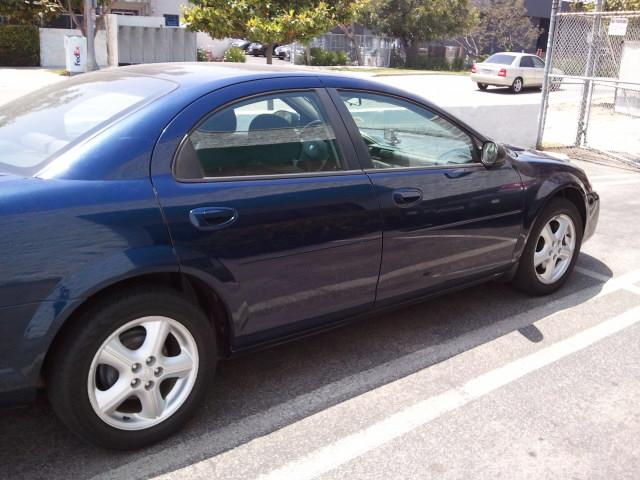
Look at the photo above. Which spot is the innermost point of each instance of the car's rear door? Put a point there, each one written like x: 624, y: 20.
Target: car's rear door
x: 266, y: 203
x: 447, y: 218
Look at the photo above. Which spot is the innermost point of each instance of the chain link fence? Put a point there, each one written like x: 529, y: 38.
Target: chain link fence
x: 375, y: 51
x: 592, y: 93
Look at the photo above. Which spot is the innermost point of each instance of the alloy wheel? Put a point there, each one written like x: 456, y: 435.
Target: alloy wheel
x: 142, y: 373
x: 554, y: 249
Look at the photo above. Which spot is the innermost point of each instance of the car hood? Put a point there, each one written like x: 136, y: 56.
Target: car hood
x: 532, y: 155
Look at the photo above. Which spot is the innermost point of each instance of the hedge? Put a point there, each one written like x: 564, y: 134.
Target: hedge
x: 19, y: 46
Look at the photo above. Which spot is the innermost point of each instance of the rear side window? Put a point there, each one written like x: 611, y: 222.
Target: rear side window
x: 501, y: 59
x: 526, y: 62
x: 35, y: 128
x: 276, y: 134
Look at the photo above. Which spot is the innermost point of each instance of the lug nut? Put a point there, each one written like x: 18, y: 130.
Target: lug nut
x: 135, y: 382
x: 135, y: 367
x: 158, y: 371
x: 148, y: 385
x: 151, y: 360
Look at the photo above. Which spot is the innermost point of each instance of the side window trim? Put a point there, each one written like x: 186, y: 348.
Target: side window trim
x: 363, y: 153
x: 333, y: 118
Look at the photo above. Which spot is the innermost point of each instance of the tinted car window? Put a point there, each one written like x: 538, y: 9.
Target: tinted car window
x: 500, y: 58
x: 526, y: 62
x: 35, y: 128
x: 398, y: 133
x: 537, y: 62
x: 268, y: 135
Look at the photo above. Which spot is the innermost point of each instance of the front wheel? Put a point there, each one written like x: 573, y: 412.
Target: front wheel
x: 132, y: 369
x: 552, y: 249
x: 482, y: 86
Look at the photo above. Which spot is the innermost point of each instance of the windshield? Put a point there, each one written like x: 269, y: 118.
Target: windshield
x: 37, y: 127
x: 500, y: 58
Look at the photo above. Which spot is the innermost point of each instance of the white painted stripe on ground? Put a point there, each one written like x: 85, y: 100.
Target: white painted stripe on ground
x: 353, y: 446
x: 625, y: 282
x: 597, y: 185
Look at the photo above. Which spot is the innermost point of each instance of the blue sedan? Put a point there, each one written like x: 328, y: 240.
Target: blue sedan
x: 156, y: 219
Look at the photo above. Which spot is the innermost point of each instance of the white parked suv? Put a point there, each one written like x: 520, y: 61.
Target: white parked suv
x: 513, y: 70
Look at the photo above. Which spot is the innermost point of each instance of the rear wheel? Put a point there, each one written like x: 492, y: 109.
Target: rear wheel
x: 482, y: 86
x: 552, y: 249
x: 517, y: 85
x: 132, y: 369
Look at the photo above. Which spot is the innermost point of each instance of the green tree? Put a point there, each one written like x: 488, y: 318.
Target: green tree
x: 502, y: 25
x: 29, y: 12
x: 268, y: 22
x: 415, y: 21
x: 609, y: 5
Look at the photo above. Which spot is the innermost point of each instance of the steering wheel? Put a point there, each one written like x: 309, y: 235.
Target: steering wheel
x: 314, y: 153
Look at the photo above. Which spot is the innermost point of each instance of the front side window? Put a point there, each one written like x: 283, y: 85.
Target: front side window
x: 400, y: 134
x: 538, y: 62
x: 277, y: 134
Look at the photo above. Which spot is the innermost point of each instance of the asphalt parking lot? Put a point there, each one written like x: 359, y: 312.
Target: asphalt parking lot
x: 484, y: 383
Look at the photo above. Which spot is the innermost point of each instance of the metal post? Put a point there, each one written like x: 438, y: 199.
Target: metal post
x: 589, y: 72
x: 89, y: 19
x: 544, y: 105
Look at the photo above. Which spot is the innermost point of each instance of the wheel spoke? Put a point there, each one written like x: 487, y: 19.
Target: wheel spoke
x: 541, y: 256
x: 152, y: 402
x: 109, y: 400
x: 156, y: 337
x: 563, y: 225
x: 547, y: 235
x: 116, y: 355
x: 178, y: 366
x: 549, y: 266
x: 565, y: 253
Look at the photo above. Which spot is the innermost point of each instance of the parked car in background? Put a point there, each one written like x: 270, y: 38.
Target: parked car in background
x: 241, y: 43
x: 257, y: 49
x: 514, y: 70
x: 283, y: 52
x: 155, y: 219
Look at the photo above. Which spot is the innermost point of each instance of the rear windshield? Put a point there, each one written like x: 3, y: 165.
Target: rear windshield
x: 501, y: 59
x: 37, y: 127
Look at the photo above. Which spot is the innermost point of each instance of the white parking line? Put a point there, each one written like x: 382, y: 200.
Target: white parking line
x: 625, y: 282
x: 348, y: 448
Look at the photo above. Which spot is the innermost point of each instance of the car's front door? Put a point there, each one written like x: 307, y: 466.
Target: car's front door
x: 447, y: 218
x: 265, y: 204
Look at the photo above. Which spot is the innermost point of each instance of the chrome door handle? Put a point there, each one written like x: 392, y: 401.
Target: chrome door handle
x: 212, y: 218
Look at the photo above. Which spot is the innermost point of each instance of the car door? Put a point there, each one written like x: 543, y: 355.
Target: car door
x: 539, y: 69
x: 265, y: 203
x: 528, y: 71
x: 447, y: 218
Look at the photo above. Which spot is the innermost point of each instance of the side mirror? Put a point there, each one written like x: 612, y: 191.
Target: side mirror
x: 490, y: 154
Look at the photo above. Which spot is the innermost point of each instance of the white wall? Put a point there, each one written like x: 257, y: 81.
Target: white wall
x: 136, y: 21
x: 52, y: 53
x: 169, y: 7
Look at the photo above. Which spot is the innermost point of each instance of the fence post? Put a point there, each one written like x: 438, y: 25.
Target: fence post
x: 544, y: 104
x: 589, y: 72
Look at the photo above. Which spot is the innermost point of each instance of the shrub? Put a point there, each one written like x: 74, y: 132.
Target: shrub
x: 201, y: 55
x: 19, y: 45
x: 322, y: 57
x: 235, y: 54
x: 458, y: 64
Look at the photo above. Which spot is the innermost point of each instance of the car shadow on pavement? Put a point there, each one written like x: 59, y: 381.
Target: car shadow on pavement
x: 259, y: 393
x: 507, y: 91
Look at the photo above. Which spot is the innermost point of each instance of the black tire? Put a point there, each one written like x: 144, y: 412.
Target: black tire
x: 68, y: 367
x: 514, y: 86
x: 526, y: 279
x: 482, y: 86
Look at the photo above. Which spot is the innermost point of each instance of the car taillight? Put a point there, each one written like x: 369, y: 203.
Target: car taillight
x: 473, y: 68
x: 502, y: 72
